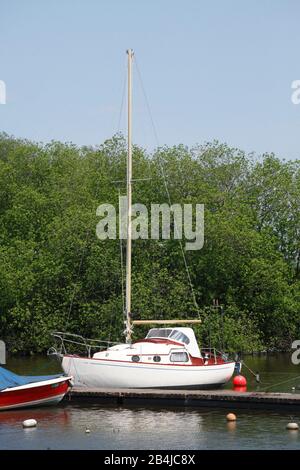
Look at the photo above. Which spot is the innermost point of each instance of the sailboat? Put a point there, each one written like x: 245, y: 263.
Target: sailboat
x: 168, y: 357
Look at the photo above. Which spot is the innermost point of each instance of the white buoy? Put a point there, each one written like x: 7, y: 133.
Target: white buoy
x: 29, y: 423
x: 292, y: 426
x: 231, y: 417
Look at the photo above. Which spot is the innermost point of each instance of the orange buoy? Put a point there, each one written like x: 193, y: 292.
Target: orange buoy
x: 239, y: 381
x: 231, y: 417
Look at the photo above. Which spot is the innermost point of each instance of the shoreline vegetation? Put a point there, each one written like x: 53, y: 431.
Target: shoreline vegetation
x: 55, y: 274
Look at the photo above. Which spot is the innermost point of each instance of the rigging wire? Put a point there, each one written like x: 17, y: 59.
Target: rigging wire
x: 168, y: 196
x: 119, y: 196
x: 166, y: 185
x: 122, y: 104
x: 88, y: 232
x: 77, y: 277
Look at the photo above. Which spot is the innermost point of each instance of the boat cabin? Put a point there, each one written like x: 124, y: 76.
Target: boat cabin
x: 164, y: 346
x: 186, y: 336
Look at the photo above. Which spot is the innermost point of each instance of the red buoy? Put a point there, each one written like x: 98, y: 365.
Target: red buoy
x: 239, y: 381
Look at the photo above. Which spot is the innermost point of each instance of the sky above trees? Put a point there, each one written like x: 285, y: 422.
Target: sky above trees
x: 212, y: 70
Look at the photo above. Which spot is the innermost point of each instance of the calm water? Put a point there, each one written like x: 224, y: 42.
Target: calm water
x: 121, y: 427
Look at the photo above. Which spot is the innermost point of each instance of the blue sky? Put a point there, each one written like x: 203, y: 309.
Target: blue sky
x: 218, y: 69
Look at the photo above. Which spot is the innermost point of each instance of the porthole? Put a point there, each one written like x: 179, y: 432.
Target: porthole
x: 135, y: 358
x: 156, y: 358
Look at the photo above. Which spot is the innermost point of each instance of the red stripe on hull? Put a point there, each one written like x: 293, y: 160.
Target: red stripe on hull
x: 32, y: 394
x: 196, y: 362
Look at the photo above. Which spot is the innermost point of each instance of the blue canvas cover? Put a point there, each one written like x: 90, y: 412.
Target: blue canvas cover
x: 8, y: 379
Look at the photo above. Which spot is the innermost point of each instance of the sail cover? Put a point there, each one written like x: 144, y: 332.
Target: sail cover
x: 8, y: 379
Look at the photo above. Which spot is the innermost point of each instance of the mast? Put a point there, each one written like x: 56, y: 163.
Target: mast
x: 128, y: 330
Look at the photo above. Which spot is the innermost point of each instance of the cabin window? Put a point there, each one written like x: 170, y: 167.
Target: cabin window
x: 135, y: 358
x: 156, y: 358
x: 159, y: 333
x: 179, y: 336
x: 179, y: 357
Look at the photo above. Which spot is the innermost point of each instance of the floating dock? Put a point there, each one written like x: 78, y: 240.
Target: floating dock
x: 193, y: 398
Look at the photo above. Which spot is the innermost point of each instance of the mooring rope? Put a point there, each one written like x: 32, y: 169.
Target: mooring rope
x: 280, y: 383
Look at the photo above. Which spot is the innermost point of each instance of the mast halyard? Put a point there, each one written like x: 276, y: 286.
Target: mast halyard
x: 128, y: 330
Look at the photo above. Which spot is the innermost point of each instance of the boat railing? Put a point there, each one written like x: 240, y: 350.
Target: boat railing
x: 209, y: 353
x: 67, y: 343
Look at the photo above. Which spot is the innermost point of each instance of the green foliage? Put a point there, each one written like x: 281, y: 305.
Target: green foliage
x: 234, y: 331
x: 56, y: 274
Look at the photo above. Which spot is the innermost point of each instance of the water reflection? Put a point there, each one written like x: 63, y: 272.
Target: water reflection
x: 231, y: 426
x: 58, y: 415
x: 114, y: 427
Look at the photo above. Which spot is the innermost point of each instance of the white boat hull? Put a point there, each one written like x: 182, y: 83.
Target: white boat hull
x: 89, y: 372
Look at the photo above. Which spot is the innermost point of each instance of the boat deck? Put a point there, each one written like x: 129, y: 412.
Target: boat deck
x: 208, y: 398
